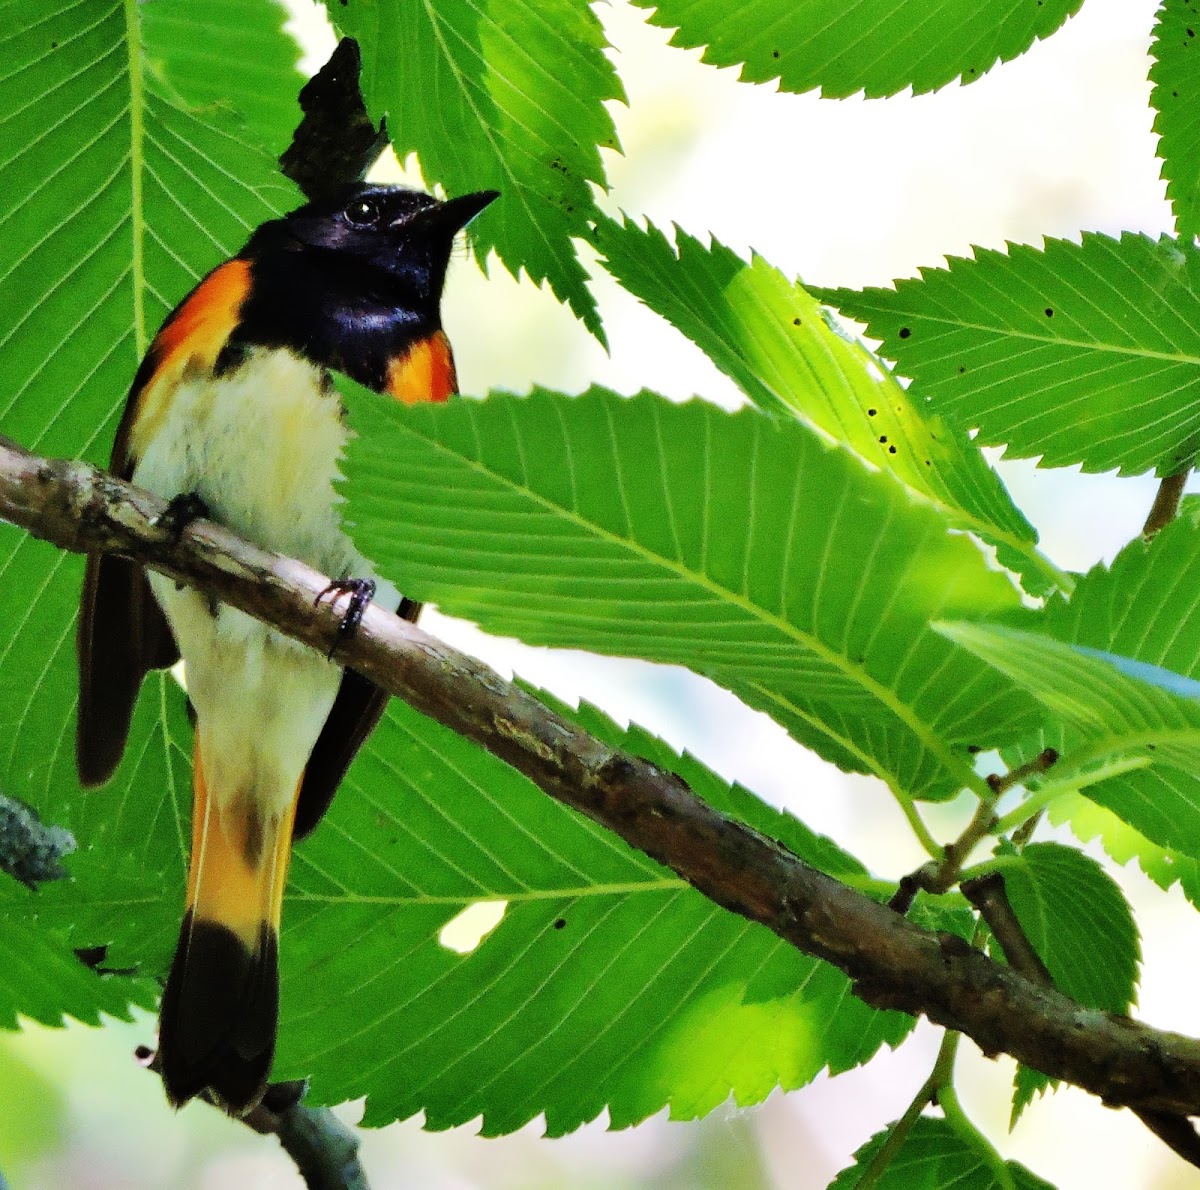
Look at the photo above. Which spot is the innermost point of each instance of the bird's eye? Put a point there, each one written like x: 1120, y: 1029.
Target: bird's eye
x: 362, y: 212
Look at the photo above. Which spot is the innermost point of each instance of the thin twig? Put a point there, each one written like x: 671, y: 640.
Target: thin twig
x: 31, y: 851
x: 1166, y: 502
x: 892, y: 962
x: 941, y: 875
x: 324, y: 1149
x: 988, y: 895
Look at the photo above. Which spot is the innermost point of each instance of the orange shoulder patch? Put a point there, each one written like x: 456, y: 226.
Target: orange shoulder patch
x: 423, y: 373
x: 190, y: 340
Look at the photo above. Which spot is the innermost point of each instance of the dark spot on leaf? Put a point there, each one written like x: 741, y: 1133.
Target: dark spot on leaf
x: 795, y: 322
x: 774, y: 53
x: 891, y: 450
x: 882, y: 437
x: 1152, y: 747
x: 1049, y: 312
x: 961, y: 369
x: 928, y: 463
x: 972, y: 70
x: 54, y: 45
x: 905, y: 332
x: 1191, y: 32
x: 872, y: 412
x: 562, y: 921
x: 973, y: 748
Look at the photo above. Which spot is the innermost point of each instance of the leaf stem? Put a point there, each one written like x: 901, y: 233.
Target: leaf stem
x: 958, y: 1119
x: 1052, y: 790
x: 939, y: 1078
x: 909, y: 809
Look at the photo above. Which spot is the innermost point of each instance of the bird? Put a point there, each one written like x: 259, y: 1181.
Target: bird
x: 233, y: 414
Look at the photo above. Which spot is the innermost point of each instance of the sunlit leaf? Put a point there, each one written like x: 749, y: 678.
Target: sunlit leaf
x: 1081, y: 353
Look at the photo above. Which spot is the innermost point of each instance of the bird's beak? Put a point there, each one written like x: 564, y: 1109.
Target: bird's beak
x: 454, y: 214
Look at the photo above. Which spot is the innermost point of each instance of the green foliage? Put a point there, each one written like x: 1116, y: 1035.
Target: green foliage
x: 520, y: 89
x: 1080, y: 353
x: 1117, y: 666
x: 679, y: 533
x: 42, y: 979
x: 1176, y: 78
x: 192, y: 46
x: 1078, y: 921
x: 841, y: 556
x: 934, y: 1154
x: 774, y: 340
x: 609, y: 982
x: 880, y: 47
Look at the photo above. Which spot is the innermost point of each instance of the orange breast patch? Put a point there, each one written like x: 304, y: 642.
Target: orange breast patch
x: 423, y: 373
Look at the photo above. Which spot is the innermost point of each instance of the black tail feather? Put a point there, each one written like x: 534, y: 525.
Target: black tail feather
x: 220, y: 1011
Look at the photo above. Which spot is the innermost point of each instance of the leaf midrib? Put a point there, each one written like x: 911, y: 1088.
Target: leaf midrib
x: 1029, y: 336
x: 856, y: 673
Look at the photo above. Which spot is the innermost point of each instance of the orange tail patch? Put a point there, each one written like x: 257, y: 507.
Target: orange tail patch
x: 220, y: 1008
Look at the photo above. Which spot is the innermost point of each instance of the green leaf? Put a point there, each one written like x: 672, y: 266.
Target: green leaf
x: 114, y: 201
x: 683, y: 534
x: 1078, y: 921
x: 1117, y: 710
x: 880, y: 47
x: 1028, y: 1085
x: 934, y: 1156
x: 1141, y: 611
x: 1082, y: 353
x: 609, y: 982
x: 774, y: 340
x: 1176, y: 78
x: 1089, y: 820
x: 194, y: 48
x: 42, y: 979
x: 509, y: 96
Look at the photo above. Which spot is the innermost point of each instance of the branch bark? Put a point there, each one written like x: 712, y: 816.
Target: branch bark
x: 893, y: 963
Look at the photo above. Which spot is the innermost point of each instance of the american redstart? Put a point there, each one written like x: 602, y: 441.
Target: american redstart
x: 233, y: 413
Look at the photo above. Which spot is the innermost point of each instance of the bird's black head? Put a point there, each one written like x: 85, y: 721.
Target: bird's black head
x: 354, y: 278
x: 387, y: 232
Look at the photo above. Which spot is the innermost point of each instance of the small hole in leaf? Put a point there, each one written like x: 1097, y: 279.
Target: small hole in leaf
x: 1049, y: 312
x: 465, y: 931
x: 905, y: 332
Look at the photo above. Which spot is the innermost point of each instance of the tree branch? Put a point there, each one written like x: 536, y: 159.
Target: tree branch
x: 893, y: 963
x: 31, y: 851
x: 1166, y: 502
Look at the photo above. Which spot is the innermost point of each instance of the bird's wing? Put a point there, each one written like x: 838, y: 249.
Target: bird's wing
x: 123, y: 633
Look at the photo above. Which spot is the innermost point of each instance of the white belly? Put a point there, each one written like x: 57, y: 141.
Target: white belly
x: 261, y: 447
